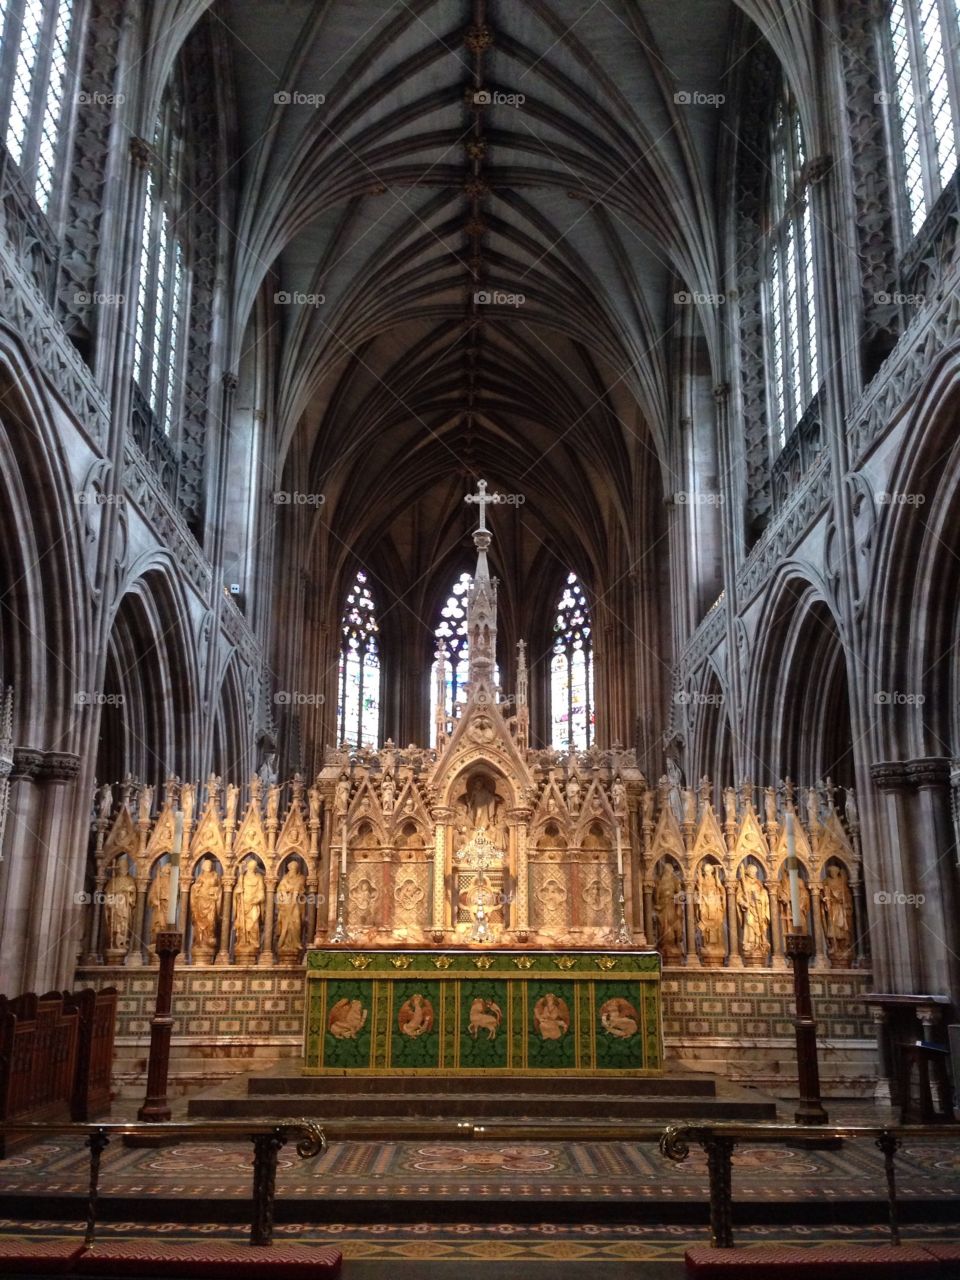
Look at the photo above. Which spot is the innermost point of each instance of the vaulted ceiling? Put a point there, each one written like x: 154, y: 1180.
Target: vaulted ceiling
x: 471, y: 148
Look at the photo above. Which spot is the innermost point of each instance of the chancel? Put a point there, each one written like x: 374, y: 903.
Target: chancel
x: 479, y: 591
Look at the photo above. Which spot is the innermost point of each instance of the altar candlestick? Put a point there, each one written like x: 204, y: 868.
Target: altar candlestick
x: 793, y: 872
x: 619, y: 853
x: 175, y: 868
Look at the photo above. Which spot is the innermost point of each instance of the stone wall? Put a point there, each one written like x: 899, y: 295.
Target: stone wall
x: 738, y: 1024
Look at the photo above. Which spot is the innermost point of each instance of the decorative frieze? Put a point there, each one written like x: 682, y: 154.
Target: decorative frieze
x: 803, y: 506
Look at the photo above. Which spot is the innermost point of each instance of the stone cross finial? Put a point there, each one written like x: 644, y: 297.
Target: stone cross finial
x: 483, y: 500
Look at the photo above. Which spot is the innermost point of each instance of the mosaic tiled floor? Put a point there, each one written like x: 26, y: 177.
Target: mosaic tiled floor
x: 471, y: 1242
x: 408, y: 1171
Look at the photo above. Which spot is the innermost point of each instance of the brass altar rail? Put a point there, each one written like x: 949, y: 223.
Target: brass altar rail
x: 267, y: 1139
x: 719, y: 1140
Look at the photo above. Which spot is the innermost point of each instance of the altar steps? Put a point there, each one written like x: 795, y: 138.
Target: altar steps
x: 659, y: 1099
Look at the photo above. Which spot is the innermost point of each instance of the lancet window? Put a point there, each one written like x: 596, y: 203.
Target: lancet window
x: 926, y: 98
x: 35, y: 68
x: 359, y: 709
x: 571, y: 671
x: 790, y: 293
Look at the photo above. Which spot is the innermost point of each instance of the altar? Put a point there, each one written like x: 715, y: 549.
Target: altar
x: 464, y: 1012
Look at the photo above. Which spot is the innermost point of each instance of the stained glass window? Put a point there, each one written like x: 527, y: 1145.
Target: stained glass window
x: 359, y: 712
x: 791, y: 301
x: 161, y: 298
x: 571, y: 672
x: 451, y: 636
x: 924, y: 36
x: 35, y: 51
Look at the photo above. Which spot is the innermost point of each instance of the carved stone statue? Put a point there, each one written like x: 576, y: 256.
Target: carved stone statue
x: 105, y: 802
x: 342, y: 796
x: 618, y: 796
x: 754, y: 907
x: 484, y: 806
x: 291, y: 896
x: 573, y: 794
x: 249, y: 899
x: 387, y: 794
x: 120, y: 897
x: 850, y: 806
x: 158, y: 899
x: 730, y: 806
x: 233, y: 795
x: 206, y: 900
x: 836, y: 905
x: 711, y: 910
x: 667, y: 900
x: 187, y: 795
x: 314, y: 800
x: 146, y: 804
x: 268, y: 772
x: 674, y: 780
x: 273, y: 801
x: 770, y: 806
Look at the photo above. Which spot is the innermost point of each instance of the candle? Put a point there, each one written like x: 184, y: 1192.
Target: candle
x: 175, y: 869
x: 793, y: 872
x: 619, y: 853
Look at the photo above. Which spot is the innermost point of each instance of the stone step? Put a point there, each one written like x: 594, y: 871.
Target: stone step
x: 587, y: 1107
x: 674, y: 1086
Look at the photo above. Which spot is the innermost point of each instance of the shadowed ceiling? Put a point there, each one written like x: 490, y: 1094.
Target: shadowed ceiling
x: 465, y: 148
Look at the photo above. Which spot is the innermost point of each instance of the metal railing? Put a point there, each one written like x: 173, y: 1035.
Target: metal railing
x: 269, y: 1136
x: 719, y: 1140
x: 267, y: 1139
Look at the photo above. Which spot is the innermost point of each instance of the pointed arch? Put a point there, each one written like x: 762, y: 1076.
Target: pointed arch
x: 358, y: 717
x: 572, y: 707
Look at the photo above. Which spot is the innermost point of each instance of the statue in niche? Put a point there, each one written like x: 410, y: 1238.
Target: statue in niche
x: 206, y: 900
x: 387, y: 793
x: 730, y: 807
x: 711, y: 904
x: 187, y: 797
x: 674, y: 781
x: 233, y: 796
x: 836, y: 904
x: 770, y: 806
x: 573, y: 794
x: 250, y: 896
x: 291, y: 896
x: 753, y: 904
x: 273, y: 801
x: 314, y: 800
x: 120, y: 897
x: 667, y: 899
x: 105, y: 802
x: 618, y: 796
x: 483, y: 803
x: 342, y: 796
x: 786, y: 906
x: 268, y: 772
x: 158, y: 899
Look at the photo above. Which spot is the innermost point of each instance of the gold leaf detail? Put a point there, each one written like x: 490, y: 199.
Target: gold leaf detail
x: 401, y: 962
x: 483, y: 962
x: 524, y: 962
x: 606, y: 963
x: 566, y: 962
x: 443, y: 962
x: 360, y: 962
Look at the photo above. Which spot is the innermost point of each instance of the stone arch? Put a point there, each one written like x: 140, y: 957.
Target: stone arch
x: 799, y: 720
x: 152, y: 721
x: 231, y: 748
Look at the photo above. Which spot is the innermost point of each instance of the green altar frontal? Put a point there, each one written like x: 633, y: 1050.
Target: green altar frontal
x: 394, y: 1013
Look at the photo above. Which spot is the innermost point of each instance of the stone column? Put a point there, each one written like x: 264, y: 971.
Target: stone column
x: 860, y: 923
x: 693, y: 957
x: 650, y: 928
x: 821, y: 959
x: 266, y: 958
x: 94, y: 950
x: 778, y: 959
x: 882, y: 1093
x: 226, y: 920
x: 441, y: 817
x: 735, y: 959
x: 521, y: 818
x: 137, y: 940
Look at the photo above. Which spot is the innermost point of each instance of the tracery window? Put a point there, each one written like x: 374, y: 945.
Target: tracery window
x: 924, y: 43
x: 571, y: 672
x: 359, y: 709
x: 35, y: 68
x: 161, y: 301
x: 791, y: 301
x: 451, y: 635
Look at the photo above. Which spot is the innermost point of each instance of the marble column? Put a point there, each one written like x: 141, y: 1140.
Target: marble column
x: 522, y: 904
x: 226, y: 920
x: 693, y: 956
x: 137, y: 939
x: 778, y: 959
x: 441, y: 817
x: 266, y: 957
x: 735, y: 959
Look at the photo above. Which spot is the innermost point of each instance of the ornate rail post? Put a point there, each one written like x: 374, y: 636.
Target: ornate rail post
x: 156, y: 1108
x: 799, y: 948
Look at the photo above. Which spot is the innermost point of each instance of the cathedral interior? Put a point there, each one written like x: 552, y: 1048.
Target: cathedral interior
x: 480, y: 525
